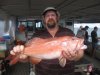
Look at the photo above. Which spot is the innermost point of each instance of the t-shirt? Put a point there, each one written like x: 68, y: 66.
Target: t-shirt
x: 86, y: 35
x: 21, y: 36
x: 52, y: 67
x: 94, y: 36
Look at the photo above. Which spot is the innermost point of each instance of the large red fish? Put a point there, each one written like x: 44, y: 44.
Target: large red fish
x: 51, y: 48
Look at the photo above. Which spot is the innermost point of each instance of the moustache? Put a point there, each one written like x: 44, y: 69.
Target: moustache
x: 51, y: 21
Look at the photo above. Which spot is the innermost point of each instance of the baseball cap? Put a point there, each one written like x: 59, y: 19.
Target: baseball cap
x: 50, y: 9
x: 95, y: 27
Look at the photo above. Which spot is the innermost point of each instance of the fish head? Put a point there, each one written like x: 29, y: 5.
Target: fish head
x: 72, y: 44
x: 76, y: 43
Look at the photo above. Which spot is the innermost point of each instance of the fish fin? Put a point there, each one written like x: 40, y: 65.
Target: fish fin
x: 62, y: 61
x: 34, y: 60
x: 14, y: 60
x: 9, y: 57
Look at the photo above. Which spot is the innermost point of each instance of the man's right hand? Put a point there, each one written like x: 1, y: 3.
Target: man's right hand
x: 19, y: 49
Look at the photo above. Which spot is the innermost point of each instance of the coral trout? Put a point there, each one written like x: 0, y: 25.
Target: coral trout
x: 51, y: 48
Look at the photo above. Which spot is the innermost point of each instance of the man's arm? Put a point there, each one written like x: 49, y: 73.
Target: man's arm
x: 74, y: 56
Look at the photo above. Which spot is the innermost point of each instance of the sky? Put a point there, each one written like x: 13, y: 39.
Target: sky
x: 91, y: 25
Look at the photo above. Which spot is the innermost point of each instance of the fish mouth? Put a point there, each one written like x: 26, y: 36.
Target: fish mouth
x: 79, y: 44
x: 82, y: 45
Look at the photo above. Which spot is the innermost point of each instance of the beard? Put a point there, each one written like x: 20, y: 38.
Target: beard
x: 51, y: 24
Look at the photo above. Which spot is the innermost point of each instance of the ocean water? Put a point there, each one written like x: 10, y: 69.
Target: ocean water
x: 90, y: 25
x: 89, y: 31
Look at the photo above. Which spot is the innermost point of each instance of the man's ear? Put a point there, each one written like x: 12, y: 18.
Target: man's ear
x: 43, y: 21
x: 43, y: 18
x: 58, y: 17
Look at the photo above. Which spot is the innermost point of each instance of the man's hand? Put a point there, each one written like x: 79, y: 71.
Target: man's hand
x: 18, y: 50
x: 74, y: 55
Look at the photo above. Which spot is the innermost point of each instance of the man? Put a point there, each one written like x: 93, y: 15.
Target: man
x: 94, y: 40
x: 86, y: 35
x: 20, y: 35
x: 81, y: 32
x: 52, y: 29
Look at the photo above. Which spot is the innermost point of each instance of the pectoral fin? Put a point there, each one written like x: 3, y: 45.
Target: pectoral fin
x: 62, y: 61
x: 34, y: 60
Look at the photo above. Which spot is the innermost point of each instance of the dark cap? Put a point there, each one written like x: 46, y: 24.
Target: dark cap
x: 86, y: 26
x: 95, y: 27
x: 50, y: 9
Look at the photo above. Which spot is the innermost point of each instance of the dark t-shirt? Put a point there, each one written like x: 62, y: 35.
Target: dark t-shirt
x: 94, y: 36
x: 52, y: 67
x: 86, y: 35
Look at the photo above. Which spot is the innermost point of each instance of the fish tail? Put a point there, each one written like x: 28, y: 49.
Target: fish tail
x: 14, y: 60
x: 9, y: 57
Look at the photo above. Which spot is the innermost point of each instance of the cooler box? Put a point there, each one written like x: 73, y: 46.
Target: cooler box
x: 2, y: 54
x: 3, y: 48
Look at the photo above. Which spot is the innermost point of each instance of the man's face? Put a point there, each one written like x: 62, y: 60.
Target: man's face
x: 50, y: 19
